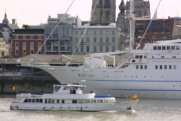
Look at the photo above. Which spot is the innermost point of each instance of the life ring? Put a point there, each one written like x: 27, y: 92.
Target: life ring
x: 169, y: 51
x: 140, y: 60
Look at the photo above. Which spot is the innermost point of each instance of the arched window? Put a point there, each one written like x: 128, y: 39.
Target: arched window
x: 2, y: 53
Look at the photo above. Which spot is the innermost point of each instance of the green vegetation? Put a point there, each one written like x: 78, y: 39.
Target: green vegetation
x: 26, y: 26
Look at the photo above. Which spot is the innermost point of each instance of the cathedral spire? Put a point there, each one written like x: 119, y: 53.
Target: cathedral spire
x: 122, y: 7
x: 5, y: 20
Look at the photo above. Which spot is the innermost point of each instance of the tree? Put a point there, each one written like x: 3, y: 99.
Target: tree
x: 26, y: 26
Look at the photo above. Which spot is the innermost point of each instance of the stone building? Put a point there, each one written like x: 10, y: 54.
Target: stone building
x: 4, y: 47
x: 105, y: 11
x: 98, y: 39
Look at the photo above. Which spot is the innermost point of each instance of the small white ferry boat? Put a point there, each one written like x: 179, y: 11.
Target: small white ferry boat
x: 70, y: 97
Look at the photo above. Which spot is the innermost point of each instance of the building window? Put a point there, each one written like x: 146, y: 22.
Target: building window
x: 155, y: 32
x: 76, y: 49
x: 32, y: 44
x: 113, y: 40
x: 87, y: 33
x: 39, y: 37
x: 107, y: 48
x: 168, y: 32
x: 32, y: 37
x: 107, y: 32
x: 113, y: 32
x: 76, y: 32
x: 95, y: 39
x: 100, y: 39
x: 87, y: 40
x: 82, y: 48
x: 82, y: 32
x: 95, y: 49
x: 107, y: 39
x: 95, y: 33
x: 87, y: 48
x: 113, y: 48
x: 17, y: 52
x: 24, y: 48
x: 101, y: 49
x: 32, y: 51
x: 31, y: 48
x: 16, y: 48
x: 24, y: 37
x: 100, y: 32
x: 76, y: 39
x: 39, y: 47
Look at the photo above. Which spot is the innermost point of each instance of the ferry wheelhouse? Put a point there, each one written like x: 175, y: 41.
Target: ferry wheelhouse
x: 70, y: 97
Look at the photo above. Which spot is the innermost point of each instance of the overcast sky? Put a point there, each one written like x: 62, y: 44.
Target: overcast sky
x: 33, y: 12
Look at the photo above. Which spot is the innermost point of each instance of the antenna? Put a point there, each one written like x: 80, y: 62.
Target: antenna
x: 83, y: 81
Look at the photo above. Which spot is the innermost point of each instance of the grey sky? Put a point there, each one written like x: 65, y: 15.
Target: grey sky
x: 33, y: 12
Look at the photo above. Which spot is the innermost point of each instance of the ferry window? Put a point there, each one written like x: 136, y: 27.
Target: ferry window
x: 152, y: 56
x: 41, y: 100
x: 174, y: 56
x: 155, y: 48
x: 106, y: 101
x: 99, y: 101
x: 25, y: 100
x: 137, y: 67
x: 58, y: 101
x: 49, y: 101
x: 165, y: 67
x: 162, y: 56
x: 160, y: 66
x: 45, y: 100
x: 63, y: 101
x: 177, y: 47
x: 33, y: 100
x: 87, y: 101
x: 156, y: 66
x: 93, y: 101
x: 163, y: 47
x: 74, y: 101
x: 159, y: 47
x: 172, y: 47
x: 141, y: 66
x: 174, y: 67
x: 170, y: 66
x: 145, y: 56
x: 145, y: 66
x: 141, y: 56
x: 52, y: 101
x: 80, y: 101
x: 168, y: 47
x: 37, y: 100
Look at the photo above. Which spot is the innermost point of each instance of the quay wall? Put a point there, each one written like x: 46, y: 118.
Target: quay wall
x: 30, y: 84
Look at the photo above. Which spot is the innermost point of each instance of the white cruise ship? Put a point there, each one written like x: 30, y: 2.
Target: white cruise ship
x: 153, y: 72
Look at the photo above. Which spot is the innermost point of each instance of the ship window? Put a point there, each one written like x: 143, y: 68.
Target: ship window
x: 99, y: 101
x: 58, y: 101
x: 74, y: 101
x: 170, y: 66
x: 63, y: 101
x: 160, y: 66
x: 136, y: 56
x: 33, y: 100
x: 177, y: 47
x: 163, y: 47
x: 156, y: 66
x: 52, y: 101
x: 141, y: 66
x: 168, y: 47
x: 45, y: 100
x: 80, y: 101
x: 152, y: 56
x: 159, y: 47
x: 145, y: 66
x: 165, y: 67
x: 172, y: 47
x: 155, y: 48
x: 93, y: 101
x: 137, y: 67
x: 37, y: 100
x: 87, y: 101
x: 106, y: 101
x: 41, y: 100
x: 174, y: 56
x: 26, y: 100
x: 174, y: 67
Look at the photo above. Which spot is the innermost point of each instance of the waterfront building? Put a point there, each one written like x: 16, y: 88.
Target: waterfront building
x: 98, y: 39
x: 177, y: 28
x: 27, y: 41
x: 160, y: 29
x: 4, y: 48
x: 60, y: 42
x: 105, y: 11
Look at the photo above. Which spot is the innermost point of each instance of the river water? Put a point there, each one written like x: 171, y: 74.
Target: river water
x: 145, y: 110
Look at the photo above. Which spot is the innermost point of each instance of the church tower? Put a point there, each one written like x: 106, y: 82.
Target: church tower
x: 5, y: 20
x: 121, y: 17
x: 105, y: 11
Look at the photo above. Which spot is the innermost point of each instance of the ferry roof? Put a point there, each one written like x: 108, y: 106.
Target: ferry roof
x: 71, y: 85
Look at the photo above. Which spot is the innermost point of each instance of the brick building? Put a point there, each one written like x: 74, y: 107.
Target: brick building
x: 27, y: 41
x: 159, y: 30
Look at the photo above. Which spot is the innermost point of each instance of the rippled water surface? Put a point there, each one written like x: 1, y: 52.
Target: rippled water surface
x: 145, y: 110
